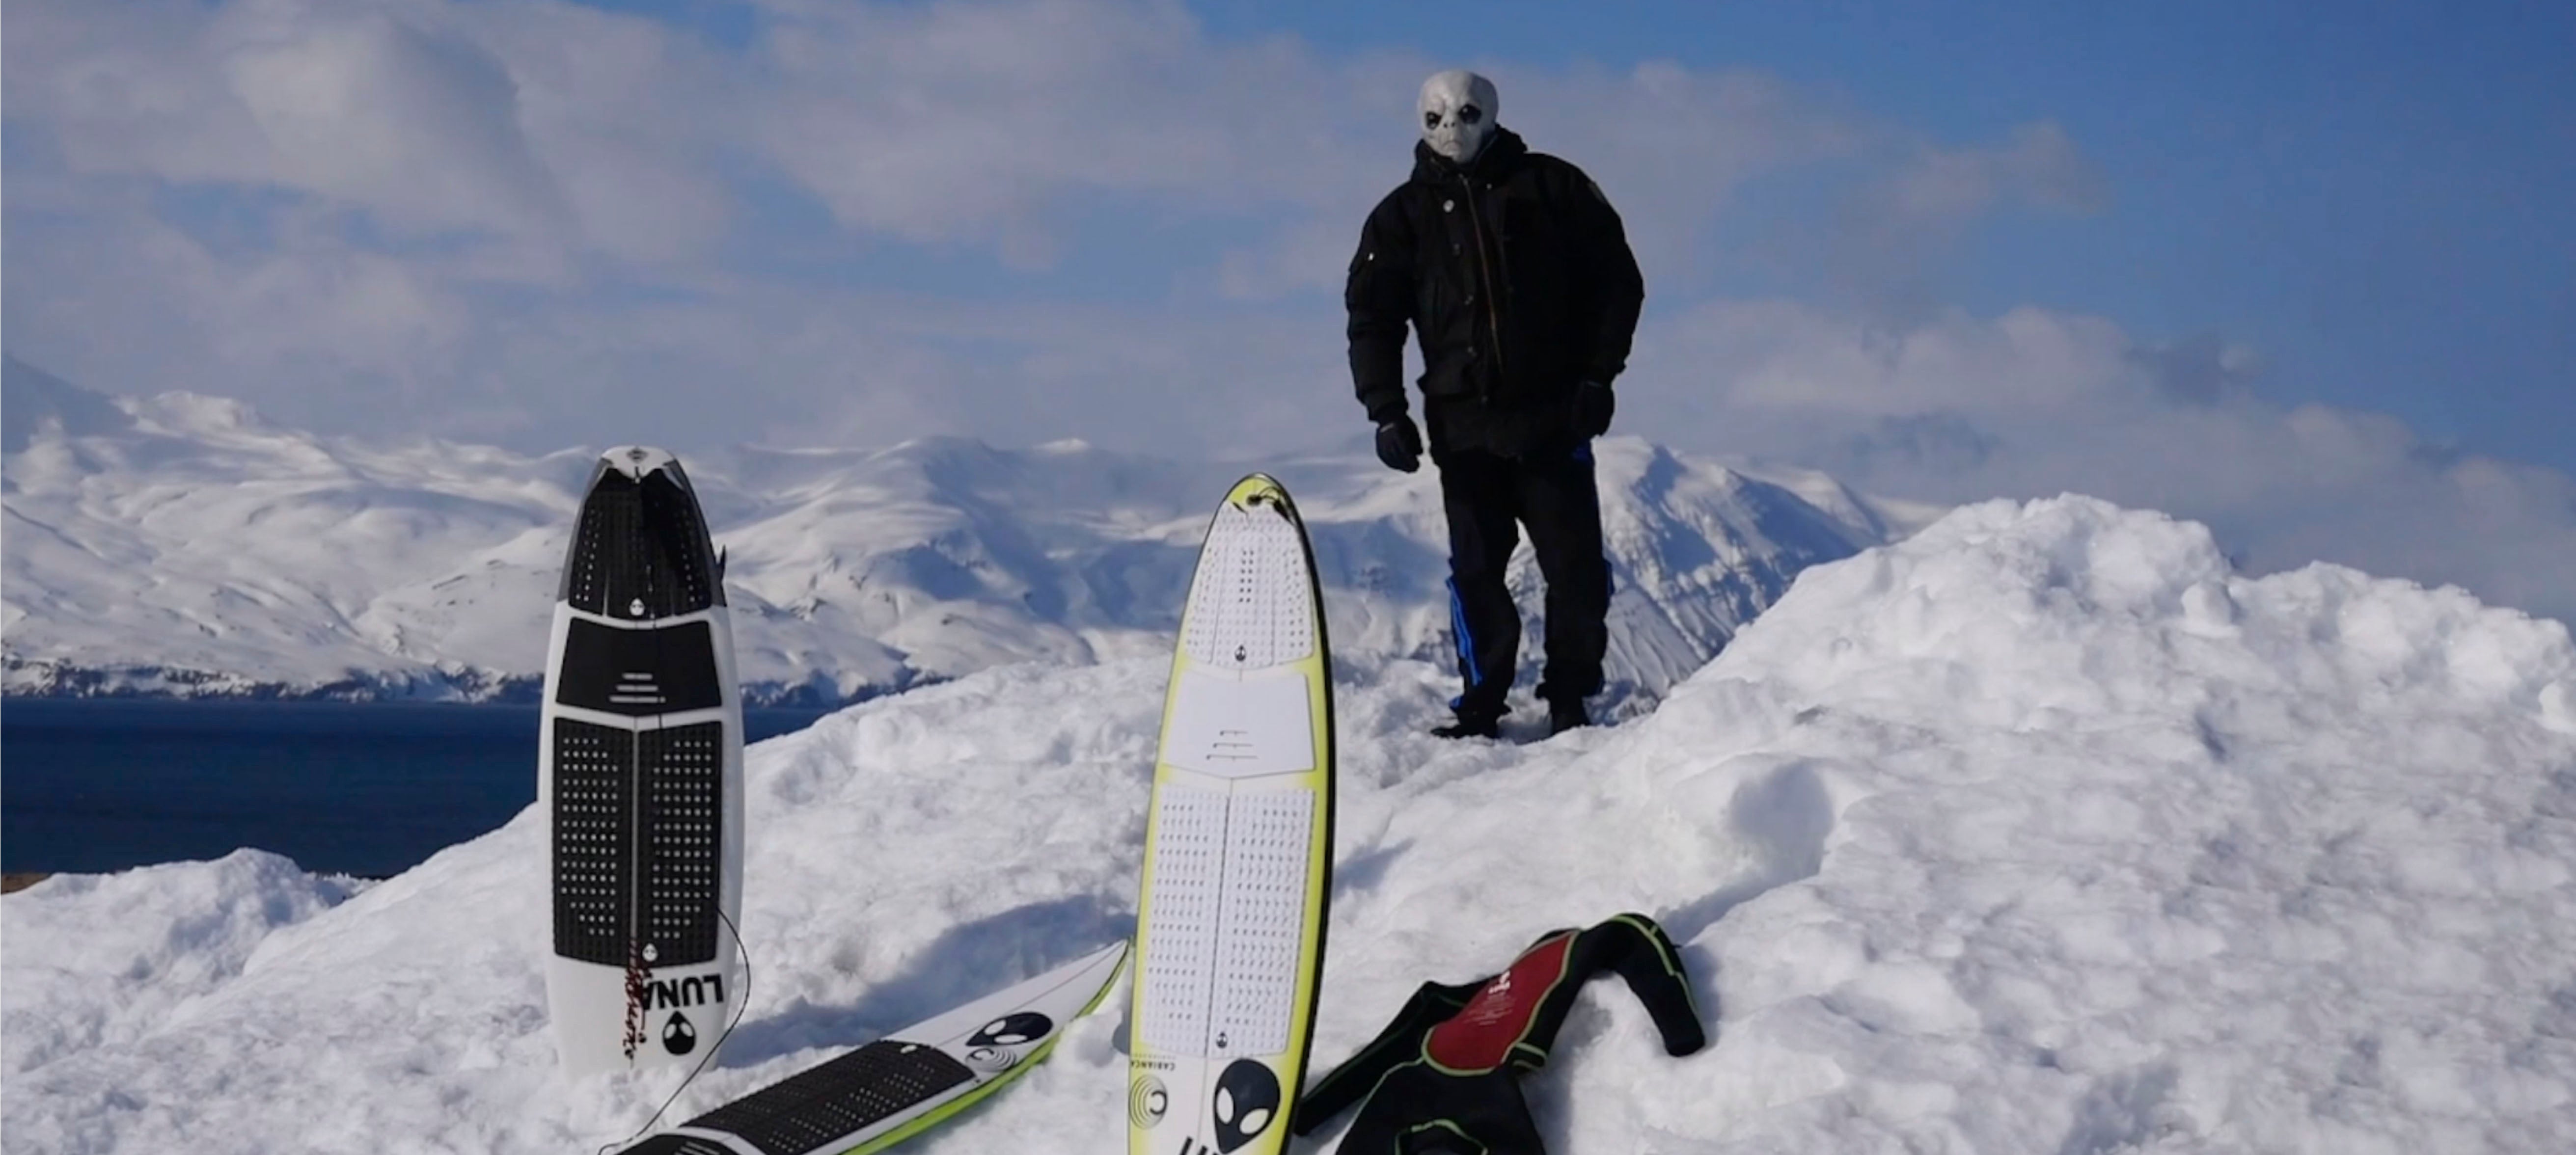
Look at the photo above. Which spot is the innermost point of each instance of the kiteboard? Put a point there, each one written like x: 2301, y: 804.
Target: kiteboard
x: 640, y: 769
x: 1238, y: 845
x: 879, y: 1095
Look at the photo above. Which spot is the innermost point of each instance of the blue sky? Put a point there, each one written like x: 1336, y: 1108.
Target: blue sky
x: 2380, y: 196
x: 2301, y: 271
x: 2374, y: 195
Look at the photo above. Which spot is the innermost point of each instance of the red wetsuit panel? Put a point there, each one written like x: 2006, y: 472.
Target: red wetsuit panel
x: 1480, y: 1036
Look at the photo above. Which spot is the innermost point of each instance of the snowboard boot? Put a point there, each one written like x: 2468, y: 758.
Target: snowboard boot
x: 1471, y: 725
x: 1566, y: 714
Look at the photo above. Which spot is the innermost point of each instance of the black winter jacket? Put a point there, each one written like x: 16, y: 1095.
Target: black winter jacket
x: 1516, y: 276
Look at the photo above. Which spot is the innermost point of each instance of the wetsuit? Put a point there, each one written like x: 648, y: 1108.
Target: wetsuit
x: 1445, y: 1075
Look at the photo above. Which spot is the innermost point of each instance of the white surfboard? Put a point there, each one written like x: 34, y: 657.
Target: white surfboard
x: 1239, y: 845
x: 639, y: 768
x: 876, y: 1096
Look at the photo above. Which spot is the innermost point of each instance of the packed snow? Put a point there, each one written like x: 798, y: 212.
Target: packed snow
x: 182, y: 544
x: 2039, y: 831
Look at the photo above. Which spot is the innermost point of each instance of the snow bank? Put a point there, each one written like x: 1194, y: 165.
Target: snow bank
x: 2039, y: 832
x: 103, y: 960
x: 2112, y: 850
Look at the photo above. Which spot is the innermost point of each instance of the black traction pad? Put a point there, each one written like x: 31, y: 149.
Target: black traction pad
x: 677, y: 1145
x: 594, y: 840
x: 641, y: 548
x: 617, y: 791
x: 682, y: 817
x: 639, y: 673
x: 811, y: 1110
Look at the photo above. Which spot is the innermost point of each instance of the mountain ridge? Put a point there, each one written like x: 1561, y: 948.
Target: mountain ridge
x: 186, y: 546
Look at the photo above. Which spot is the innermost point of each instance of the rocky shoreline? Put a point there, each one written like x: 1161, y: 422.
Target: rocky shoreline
x: 28, y: 679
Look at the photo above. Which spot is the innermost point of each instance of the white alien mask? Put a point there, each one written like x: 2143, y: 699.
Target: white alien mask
x: 1458, y: 110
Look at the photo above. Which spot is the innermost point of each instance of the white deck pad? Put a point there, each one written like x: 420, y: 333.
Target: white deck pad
x: 1238, y: 860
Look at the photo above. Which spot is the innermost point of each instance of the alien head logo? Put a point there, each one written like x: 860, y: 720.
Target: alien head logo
x: 678, y: 1037
x: 1247, y: 1102
x: 1012, y: 1030
x: 993, y: 1060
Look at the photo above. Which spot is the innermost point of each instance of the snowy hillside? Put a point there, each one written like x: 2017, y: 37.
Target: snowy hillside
x: 2038, y: 832
x: 180, y: 544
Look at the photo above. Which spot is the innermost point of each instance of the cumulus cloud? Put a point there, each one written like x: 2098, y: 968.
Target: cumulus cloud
x: 423, y: 203
x: 2042, y: 165
x: 545, y: 224
x: 130, y: 89
x: 557, y: 127
x: 357, y: 106
x: 2036, y: 402
x: 420, y: 126
x: 948, y: 121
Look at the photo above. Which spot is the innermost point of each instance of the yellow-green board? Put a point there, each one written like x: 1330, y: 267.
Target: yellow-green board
x: 1238, y: 845
x: 866, y: 1100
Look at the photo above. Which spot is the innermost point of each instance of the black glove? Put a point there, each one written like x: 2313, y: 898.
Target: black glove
x: 1399, y: 444
x: 1593, y: 404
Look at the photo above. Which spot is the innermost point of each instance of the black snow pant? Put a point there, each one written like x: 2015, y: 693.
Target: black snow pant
x: 1488, y: 498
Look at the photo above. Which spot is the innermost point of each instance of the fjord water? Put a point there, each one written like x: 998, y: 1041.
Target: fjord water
x: 371, y: 789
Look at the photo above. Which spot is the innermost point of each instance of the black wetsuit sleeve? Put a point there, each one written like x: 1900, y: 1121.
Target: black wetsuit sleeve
x: 1615, y: 286
x: 1644, y: 955
x: 1379, y: 298
x: 1431, y: 1005
x: 1638, y: 949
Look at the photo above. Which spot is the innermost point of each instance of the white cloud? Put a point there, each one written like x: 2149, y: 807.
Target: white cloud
x: 495, y: 201
x: 553, y: 126
x: 2036, y: 402
x: 632, y: 120
x: 359, y: 106
x: 130, y: 89
x: 2042, y: 165
x: 1312, y: 256
x: 971, y: 123
x: 331, y: 334
x: 521, y: 222
x: 419, y: 126
x: 1672, y: 146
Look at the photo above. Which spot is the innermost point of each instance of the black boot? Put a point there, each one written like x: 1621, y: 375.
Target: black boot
x: 1565, y: 714
x: 1471, y: 725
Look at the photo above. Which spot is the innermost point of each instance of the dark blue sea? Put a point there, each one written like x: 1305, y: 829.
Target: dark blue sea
x: 95, y: 785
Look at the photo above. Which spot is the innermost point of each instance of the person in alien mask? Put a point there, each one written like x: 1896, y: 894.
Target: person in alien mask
x: 1515, y: 275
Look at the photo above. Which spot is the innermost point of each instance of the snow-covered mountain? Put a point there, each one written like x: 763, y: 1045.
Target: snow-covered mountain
x: 181, y: 544
x: 2041, y: 831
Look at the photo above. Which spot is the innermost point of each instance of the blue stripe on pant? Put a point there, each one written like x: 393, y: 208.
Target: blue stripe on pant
x: 1488, y: 500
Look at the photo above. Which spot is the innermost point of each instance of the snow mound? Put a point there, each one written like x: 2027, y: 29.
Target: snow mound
x: 2041, y: 831
x: 102, y: 960
x: 2106, y: 849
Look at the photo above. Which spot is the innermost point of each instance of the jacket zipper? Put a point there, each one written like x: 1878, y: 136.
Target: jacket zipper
x: 1484, y: 266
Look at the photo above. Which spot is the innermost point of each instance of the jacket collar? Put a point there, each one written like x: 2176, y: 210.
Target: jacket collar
x: 1499, y: 156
